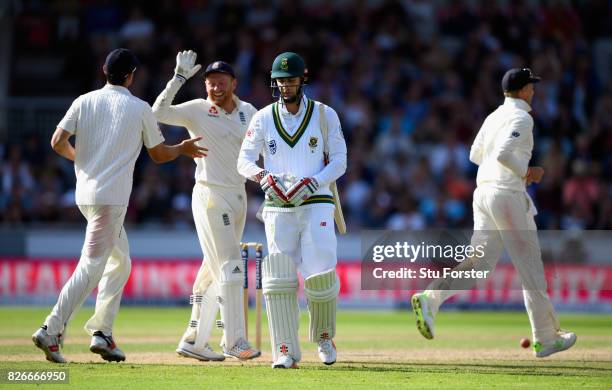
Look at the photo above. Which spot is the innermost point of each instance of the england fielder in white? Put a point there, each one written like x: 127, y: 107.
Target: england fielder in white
x: 110, y: 126
x: 504, y: 215
x: 299, y: 209
x: 218, y: 204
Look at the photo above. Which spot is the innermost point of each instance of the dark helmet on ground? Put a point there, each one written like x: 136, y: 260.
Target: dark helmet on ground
x: 288, y: 64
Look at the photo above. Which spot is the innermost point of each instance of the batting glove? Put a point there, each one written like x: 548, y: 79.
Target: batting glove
x: 302, y: 190
x: 185, y: 64
x: 274, y: 189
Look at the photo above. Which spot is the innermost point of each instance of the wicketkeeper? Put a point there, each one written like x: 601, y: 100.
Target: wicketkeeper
x: 218, y: 203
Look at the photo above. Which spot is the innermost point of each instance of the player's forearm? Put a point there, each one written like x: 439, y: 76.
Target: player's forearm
x: 250, y: 170
x: 332, y: 171
x: 64, y: 149
x: 162, y: 107
x: 246, y: 164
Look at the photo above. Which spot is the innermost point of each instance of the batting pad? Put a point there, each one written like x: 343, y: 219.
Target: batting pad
x: 280, y: 285
x: 322, y: 291
x: 230, y: 301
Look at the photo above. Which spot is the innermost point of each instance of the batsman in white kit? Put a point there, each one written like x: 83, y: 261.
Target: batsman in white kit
x: 110, y: 126
x: 504, y: 216
x: 299, y: 209
x: 218, y: 204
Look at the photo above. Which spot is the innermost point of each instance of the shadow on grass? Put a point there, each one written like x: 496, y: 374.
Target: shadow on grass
x: 474, y: 368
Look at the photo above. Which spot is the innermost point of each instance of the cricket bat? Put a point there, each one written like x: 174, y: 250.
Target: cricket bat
x: 338, y: 215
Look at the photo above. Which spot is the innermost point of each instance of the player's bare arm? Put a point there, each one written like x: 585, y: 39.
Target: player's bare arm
x: 189, y: 148
x: 61, y: 144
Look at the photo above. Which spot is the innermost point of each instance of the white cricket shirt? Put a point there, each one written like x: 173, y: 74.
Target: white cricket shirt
x: 222, y: 133
x: 110, y: 126
x: 292, y: 143
x: 502, y: 148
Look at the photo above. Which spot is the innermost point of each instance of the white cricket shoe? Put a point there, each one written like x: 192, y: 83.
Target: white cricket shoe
x: 187, y: 349
x: 285, y: 361
x: 49, y: 344
x: 327, y: 351
x: 242, y: 350
x: 565, y: 340
x: 105, y: 346
x: 424, y: 318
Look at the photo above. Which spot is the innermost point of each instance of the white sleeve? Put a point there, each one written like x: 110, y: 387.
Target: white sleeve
x: 70, y: 120
x: 337, y: 151
x: 151, y: 134
x: 167, y: 113
x: 477, y: 147
x: 252, y: 145
x: 511, y: 137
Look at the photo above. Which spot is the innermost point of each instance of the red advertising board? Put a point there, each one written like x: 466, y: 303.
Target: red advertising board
x: 157, y: 280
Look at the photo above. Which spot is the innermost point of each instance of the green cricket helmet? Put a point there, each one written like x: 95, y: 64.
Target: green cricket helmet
x: 288, y: 64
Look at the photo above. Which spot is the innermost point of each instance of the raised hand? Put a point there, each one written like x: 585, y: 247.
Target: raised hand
x: 185, y: 64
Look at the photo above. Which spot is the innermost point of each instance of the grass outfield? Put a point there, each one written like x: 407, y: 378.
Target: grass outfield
x: 375, y: 349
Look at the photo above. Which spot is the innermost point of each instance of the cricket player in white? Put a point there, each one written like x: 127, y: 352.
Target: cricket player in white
x: 299, y: 209
x: 504, y: 215
x: 110, y: 126
x: 218, y: 204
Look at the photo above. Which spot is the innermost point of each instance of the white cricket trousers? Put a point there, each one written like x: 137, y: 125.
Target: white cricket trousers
x: 503, y: 219
x: 306, y: 235
x: 219, y: 214
x: 104, y: 262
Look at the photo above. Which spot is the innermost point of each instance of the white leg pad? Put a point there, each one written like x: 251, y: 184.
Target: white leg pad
x: 231, y: 304
x: 203, y: 315
x: 322, y: 292
x: 280, y: 285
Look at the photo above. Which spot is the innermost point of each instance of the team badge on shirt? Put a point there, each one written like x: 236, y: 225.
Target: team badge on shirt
x: 212, y: 111
x: 272, y: 146
x: 313, y: 142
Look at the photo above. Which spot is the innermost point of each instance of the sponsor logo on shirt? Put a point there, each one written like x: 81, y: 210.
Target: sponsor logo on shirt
x: 226, y: 220
x: 272, y: 146
x: 242, y: 118
x: 516, y: 134
x: 212, y: 111
x: 323, y: 223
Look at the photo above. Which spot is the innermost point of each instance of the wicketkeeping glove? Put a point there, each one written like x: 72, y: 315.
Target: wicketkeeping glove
x: 302, y: 190
x: 274, y: 189
x: 185, y: 64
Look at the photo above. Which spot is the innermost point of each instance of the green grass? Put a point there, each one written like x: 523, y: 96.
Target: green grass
x: 377, y: 349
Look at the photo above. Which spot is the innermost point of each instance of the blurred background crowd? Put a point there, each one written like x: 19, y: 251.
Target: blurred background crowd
x: 411, y: 80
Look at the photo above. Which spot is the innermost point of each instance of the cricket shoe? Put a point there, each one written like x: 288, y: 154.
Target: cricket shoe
x: 327, y: 351
x: 105, y: 346
x: 49, y: 344
x: 424, y: 318
x: 242, y: 350
x: 565, y: 340
x: 285, y: 361
x: 205, y: 354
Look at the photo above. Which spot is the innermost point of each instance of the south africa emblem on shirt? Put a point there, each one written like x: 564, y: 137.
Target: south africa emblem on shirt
x: 313, y: 142
x: 272, y: 146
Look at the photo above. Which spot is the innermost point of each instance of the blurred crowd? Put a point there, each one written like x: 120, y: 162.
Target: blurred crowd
x: 411, y: 80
